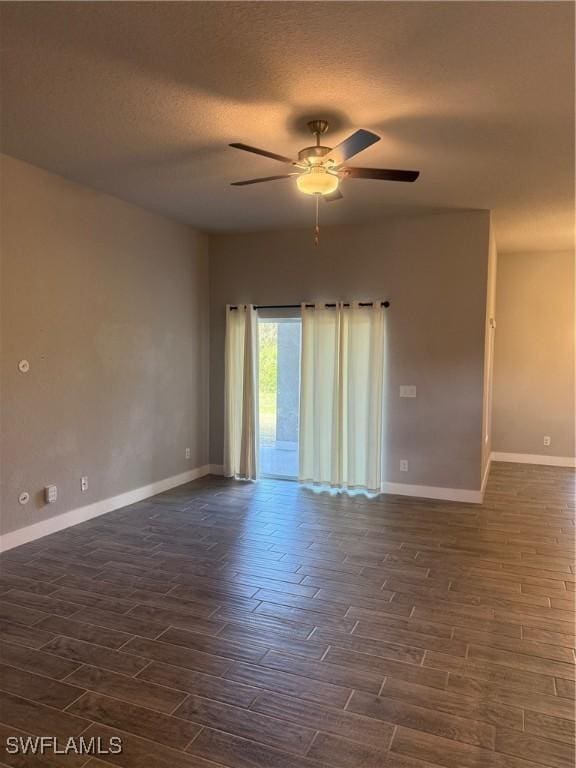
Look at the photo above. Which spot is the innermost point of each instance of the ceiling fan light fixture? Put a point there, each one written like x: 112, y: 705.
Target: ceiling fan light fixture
x: 317, y: 181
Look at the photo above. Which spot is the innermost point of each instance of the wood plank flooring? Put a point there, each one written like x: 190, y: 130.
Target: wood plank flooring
x: 268, y: 626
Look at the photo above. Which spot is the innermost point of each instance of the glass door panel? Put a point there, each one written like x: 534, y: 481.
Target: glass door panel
x: 279, y: 396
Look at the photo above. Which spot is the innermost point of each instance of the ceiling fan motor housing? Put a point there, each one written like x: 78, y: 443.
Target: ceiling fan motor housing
x: 317, y: 127
x: 315, y: 151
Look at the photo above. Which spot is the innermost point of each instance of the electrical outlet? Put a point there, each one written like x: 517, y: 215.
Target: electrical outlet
x: 547, y: 440
x: 187, y: 453
x: 403, y: 465
x: 84, y: 484
x: 407, y: 390
x: 51, y: 494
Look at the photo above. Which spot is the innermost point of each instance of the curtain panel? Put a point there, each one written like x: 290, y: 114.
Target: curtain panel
x: 342, y: 395
x: 241, y: 393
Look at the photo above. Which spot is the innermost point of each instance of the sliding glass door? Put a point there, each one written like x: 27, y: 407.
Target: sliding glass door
x: 279, y: 396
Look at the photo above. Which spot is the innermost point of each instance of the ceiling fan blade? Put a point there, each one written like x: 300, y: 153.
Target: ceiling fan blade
x: 264, y: 153
x: 333, y: 196
x: 384, y: 174
x: 259, y: 181
x: 357, y: 142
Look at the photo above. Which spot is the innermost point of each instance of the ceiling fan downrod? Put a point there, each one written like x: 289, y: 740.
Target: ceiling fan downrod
x: 317, y: 128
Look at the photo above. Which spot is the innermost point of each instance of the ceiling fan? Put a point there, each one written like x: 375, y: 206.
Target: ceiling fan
x: 320, y: 170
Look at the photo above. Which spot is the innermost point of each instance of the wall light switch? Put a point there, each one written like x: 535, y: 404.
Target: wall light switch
x: 407, y: 390
x: 51, y: 494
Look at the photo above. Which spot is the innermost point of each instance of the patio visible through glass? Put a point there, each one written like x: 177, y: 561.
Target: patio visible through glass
x: 279, y: 396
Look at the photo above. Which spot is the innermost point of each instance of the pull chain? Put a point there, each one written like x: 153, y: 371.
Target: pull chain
x: 317, y: 227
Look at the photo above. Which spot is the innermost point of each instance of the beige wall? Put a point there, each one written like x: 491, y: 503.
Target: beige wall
x: 434, y: 270
x: 109, y: 304
x: 534, y: 354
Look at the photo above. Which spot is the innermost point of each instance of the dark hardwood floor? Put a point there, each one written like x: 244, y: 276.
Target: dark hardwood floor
x: 266, y: 626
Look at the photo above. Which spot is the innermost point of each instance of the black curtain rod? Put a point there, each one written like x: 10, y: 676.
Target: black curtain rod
x: 298, y: 306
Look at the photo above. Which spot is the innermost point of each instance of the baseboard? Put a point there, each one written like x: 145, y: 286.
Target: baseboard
x: 434, y: 492
x: 81, y: 514
x: 216, y: 469
x: 533, y: 458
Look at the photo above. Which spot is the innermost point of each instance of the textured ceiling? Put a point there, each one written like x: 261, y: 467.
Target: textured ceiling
x: 141, y: 99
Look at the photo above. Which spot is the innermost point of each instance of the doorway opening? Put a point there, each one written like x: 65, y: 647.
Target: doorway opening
x: 279, y: 396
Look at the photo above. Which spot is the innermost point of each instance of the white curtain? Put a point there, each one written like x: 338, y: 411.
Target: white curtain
x: 341, y: 395
x: 241, y: 393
